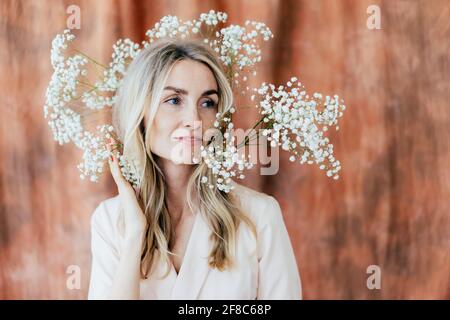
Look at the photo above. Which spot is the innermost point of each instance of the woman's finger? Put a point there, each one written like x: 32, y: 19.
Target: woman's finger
x: 121, y: 182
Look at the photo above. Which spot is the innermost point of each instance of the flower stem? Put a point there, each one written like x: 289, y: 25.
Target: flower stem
x: 93, y: 89
x: 246, y: 139
x: 87, y: 84
x: 87, y: 57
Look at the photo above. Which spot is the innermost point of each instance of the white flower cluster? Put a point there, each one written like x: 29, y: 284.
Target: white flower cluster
x: 64, y: 122
x: 171, y: 26
x: 124, y: 51
x: 239, y: 50
x: 236, y: 46
x: 235, y: 38
x: 223, y: 158
x: 65, y: 88
x: 70, y: 84
x: 290, y: 118
x: 297, y: 122
x: 95, y: 153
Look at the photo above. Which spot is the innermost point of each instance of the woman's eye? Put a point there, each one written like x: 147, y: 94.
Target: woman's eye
x: 210, y: 104
x: 176, y: 99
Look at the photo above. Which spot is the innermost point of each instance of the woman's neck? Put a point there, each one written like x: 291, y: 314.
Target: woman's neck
x: 176, y: 179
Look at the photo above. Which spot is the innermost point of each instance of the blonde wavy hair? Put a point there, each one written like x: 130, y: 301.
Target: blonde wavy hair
x: 141, y: 90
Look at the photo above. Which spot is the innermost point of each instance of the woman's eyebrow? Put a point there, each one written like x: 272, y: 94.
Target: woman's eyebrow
x: 182, y: 91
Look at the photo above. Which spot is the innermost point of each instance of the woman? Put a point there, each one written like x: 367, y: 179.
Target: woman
x: 176, y: 238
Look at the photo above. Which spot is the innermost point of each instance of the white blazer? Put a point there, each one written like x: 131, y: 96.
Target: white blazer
x: 266, y: 269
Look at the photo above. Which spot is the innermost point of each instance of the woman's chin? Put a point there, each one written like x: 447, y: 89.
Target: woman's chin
x: 188, y: 158
x: 186, y: 154
x: 186, y: 161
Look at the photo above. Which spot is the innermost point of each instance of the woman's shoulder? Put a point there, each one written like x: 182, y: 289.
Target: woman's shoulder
x: 262, y: 208
x: 106, y: 213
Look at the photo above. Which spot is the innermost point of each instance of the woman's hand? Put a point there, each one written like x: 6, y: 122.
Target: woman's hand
x: 134, y: 219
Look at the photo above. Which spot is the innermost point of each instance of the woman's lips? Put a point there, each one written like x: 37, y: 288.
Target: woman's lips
x: 188, y: 139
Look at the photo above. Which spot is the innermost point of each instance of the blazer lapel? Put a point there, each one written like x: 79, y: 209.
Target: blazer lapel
x: 194, y: 268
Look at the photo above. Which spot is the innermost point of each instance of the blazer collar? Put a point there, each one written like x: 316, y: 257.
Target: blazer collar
x: 193, y: 271
x: 194, y: 268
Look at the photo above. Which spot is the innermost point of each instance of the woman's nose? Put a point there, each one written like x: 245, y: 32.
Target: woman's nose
x: 192, y: 117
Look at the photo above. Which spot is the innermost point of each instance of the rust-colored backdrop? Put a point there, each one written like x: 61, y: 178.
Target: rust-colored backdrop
x: 390, y: 207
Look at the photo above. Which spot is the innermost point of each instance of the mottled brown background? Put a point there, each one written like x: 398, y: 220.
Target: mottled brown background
x: 390, y: 207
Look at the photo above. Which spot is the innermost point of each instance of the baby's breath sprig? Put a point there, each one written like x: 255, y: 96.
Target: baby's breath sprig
x: 68, y: 84
x: 237, y: 46
x: 96, y: 154
x: 223, y: 157
x: 297, y: 122
x: 289, y: 118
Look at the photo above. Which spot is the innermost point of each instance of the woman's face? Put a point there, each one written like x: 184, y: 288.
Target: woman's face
x: 187, y: 109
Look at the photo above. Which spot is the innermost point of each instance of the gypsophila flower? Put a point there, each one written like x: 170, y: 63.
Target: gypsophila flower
x: 225, y: 162
x: 124, y: 51
x: 65, y: 87
x: 290, y: 118
x: 237, y: 46
x: 298, y: 121
x: 96, y: 154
